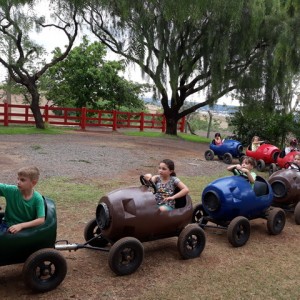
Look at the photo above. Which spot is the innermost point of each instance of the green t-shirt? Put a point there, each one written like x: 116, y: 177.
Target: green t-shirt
x: 19, y: 210
x: 253, y: 174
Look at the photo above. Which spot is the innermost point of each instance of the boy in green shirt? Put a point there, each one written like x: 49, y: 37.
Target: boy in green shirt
x: 24, y: 206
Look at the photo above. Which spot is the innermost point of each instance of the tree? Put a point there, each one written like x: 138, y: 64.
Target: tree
x: 272, y: 82
x: 26, y: 65
x: 185, y: 47
x: 86, y: 79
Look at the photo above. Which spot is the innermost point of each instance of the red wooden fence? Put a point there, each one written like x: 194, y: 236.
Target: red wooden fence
x: 83, y: 117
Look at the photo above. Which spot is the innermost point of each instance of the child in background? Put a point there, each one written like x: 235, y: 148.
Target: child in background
x: 218, y: 139
x: 295, y: 164
x: 292, y: 147
x: 166, y: 183
x: 255, y: 143
x: 246, y: 168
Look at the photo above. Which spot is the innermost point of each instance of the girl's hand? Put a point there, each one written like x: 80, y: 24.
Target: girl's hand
x: 169, y: 198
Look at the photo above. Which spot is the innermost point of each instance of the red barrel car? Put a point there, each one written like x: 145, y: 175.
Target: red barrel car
x: 266, y: 154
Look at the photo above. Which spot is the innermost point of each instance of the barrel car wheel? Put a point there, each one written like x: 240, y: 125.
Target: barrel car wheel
x: 272, y: 169
x: 191, y: 241
x: 238, y: 231
x: 297, y: 213
x: 126, y: 255
x: 209, y: 154
x: 275, y: 220
x: 227, y: 158
x: 92, y: 230
x: 260, y: 166
x: 199, y: 215
x: 44, y: 270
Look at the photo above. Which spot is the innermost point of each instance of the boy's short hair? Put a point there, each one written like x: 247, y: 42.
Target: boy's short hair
x: 31, y: 172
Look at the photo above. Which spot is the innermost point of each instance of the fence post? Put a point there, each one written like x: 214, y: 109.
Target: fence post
x: 114, y: 128
x: 5, y: 114
x: 83, y: 118
x: 182, y: 125
x: 46, y: 113
x: 142, y: 121
x: 163, y: 128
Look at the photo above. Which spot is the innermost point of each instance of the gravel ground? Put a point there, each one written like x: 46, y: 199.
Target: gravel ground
x: 84, y: 155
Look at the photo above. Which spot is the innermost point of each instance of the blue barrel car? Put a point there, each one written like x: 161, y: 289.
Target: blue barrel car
x: 228, y: 150
x: 230, y: 202
x: 44, y: 267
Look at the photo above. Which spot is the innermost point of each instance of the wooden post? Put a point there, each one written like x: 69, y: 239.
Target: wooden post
x: 182, y: 125
x: 209, y: 123
x: 114, y: 120
x: 46, y: 113
x: 142, y: 121
x: 163, y: 128
x: 83, y: 118
x: 6, y: 114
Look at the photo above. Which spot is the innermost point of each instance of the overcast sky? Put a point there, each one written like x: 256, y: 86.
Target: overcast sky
x: 51, y: 38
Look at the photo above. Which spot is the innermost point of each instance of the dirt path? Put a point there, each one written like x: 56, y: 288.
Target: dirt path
x: 221, y: 272
x: 85, y: 155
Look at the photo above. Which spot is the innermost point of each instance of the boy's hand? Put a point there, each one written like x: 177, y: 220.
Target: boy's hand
x: 244, y: 170
x: 15, y: 228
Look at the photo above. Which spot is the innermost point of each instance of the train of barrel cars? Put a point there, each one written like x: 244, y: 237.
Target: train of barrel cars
x: 125, y: 218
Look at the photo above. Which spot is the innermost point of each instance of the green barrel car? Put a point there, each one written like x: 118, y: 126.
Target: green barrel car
x: 44, y: 267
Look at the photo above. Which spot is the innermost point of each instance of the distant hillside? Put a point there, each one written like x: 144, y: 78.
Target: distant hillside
x: 220, y: 109
x: 216, y: 109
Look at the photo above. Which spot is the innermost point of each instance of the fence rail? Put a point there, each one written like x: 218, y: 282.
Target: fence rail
x: 83, y: 117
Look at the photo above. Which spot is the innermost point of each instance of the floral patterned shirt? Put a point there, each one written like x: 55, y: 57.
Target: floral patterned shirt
x: 165, y: 190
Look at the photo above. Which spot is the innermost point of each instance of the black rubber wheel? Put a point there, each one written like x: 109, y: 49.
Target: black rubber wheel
x: 44, y: 270
x: 272, y: 169
x: 260, y: 165
x: 199, y: 215
x: 209, y: 154
x: 227, y: 158
x: 297, y: 213
x: 238, y: 231
x: 275, y: 220
x: 92, y: 230
x: 191, y: 241
x: 125, y: 256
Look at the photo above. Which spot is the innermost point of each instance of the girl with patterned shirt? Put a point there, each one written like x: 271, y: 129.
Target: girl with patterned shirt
x: 166, y: 183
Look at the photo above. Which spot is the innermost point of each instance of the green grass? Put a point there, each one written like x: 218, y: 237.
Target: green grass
x: 67, y: 192
x: 32, y: 130
x: 184, y: 136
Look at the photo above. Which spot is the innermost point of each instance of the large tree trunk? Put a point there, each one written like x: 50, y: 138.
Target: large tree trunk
x: 171, y: 125
x: 35, y: 101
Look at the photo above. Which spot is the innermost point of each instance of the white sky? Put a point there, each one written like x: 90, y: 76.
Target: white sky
x: 51, y: 38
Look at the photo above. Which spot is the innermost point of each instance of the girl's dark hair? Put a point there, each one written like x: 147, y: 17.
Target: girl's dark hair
x: 170, y: 164
x: 218, y: 134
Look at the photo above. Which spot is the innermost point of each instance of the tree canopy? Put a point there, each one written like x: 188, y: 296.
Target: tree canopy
x: 85, y: 78
x: 24, y: 61
x: 193, y: 46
